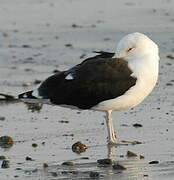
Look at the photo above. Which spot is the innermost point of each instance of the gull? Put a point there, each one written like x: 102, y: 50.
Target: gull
x: 106, y: 82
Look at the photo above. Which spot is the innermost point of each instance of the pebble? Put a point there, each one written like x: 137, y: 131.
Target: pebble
x: 131, y: 154
x: 2, y: 157
x: 84, y: 158
x: 68, y: 45
x: 2, y: 118
x: 94, y: 174
x: 70, y: 172
x: 154, y: 162
x: 27, y: 84
x: 26, y: 46
x: 78, y: 147
x: 63, y: 121
x: 170, y: 56
x: 136, y: 142
x: 5, y: 164
x: 6, y: 35
x: 28, y: 158
x: 54, y: 174
x: 68, y: 163
x: 34, y: 145
x: 76, y: 26
x: 45, y: 165
x: 104, y: 161
x: 169, y: 84
x: 136, y: 125
x: 142, y: 157
x: 6, y: 141
x: 118, y: 167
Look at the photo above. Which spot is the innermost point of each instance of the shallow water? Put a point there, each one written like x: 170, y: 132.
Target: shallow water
x: 46, y: 27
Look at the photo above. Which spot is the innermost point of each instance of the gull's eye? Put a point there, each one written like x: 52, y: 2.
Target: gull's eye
x: 129, y: 49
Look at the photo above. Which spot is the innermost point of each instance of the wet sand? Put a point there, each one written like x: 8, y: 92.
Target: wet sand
x: 38, y: 37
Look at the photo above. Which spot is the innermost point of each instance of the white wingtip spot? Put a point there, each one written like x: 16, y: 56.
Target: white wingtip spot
x: 25, y: 96
x: 35, y: 93
x: 69, y: 77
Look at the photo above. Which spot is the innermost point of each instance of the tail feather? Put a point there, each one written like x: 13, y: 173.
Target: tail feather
x: 27, y: 95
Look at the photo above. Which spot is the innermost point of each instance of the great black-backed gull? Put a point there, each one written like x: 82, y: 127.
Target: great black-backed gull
x: 105, y: 82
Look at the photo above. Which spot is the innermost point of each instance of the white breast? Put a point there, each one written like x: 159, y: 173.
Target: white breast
x: 146, y: 73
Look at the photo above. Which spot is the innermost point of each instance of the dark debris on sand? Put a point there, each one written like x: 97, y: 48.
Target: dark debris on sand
x: 6, y: 141
x: 5, y: 164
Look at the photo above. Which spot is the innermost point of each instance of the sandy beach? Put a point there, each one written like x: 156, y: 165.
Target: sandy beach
x: 38, y: 37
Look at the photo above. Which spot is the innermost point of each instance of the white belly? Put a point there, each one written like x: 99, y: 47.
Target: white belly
x: 146, y: 73
x: 131, y: 98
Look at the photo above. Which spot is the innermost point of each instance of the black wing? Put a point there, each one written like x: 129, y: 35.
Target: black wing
x: 94, y: 80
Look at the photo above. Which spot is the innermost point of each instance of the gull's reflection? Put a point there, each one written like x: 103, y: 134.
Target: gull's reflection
x: 34, y: 107
x: 111, y: 151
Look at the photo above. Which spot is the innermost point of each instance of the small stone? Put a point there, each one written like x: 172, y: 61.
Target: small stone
x: 154, y: 162
x: 75, y: 172
x: 104, y: 161
x: 169, y: 84
x: 43, y: 143
x: 18, y: 169
x: 34, y: 145
x: 6, y: 141
x: 45, y: 165
x: 6, y: 35
x: 54, y: 174
x: 118, y: 167
x: 136, y: 125
x: 28, y: 158
x: 136, y: 142
x: 142, y: 157
x: 106, y: 39
x: 68, y: 135
x: 76, y: 26
x: 27, y: 84
x: 94, y: 174
x: 28, y: 69
x: 5, y: 164
x: 2, y: 118
x: 29, y: 59
x: 78, y: 147
x: 64, y: 172
x: 26, y: 46
x: 68, y: 163
x: 2, y: 157
x: 68, y: 45
x: 84, y: 158
x: 131, y: 154
x: 34, y: 170
x: 63, y: 121
x: 170, y: 56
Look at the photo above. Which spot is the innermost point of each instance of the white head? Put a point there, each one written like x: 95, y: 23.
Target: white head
x: 136, y: 45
